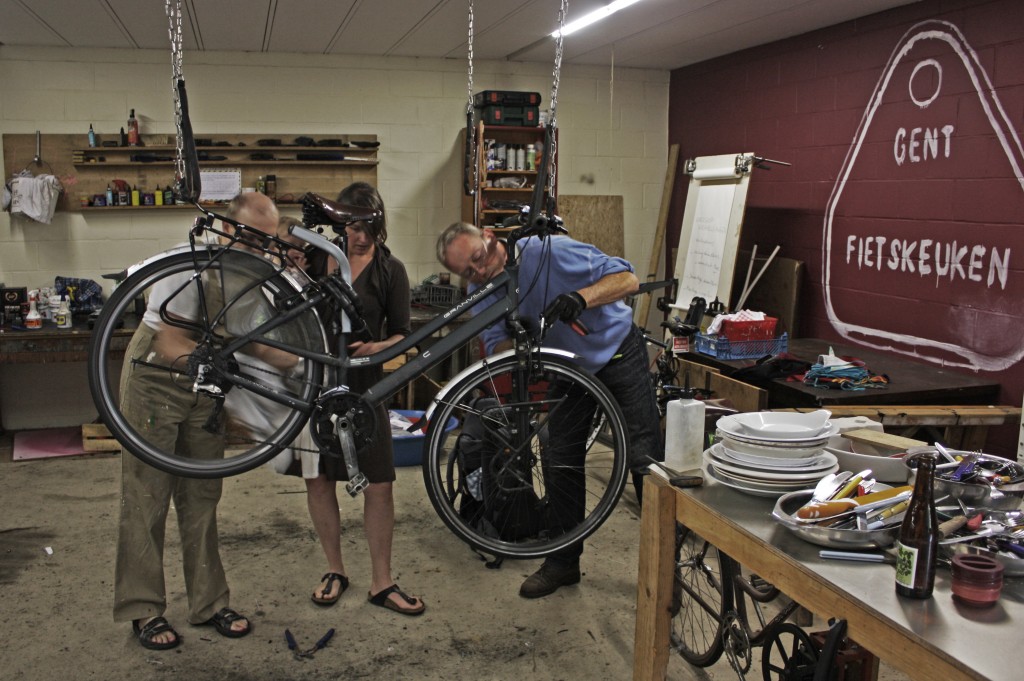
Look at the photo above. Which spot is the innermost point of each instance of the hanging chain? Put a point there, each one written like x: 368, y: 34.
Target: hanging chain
x: 553, y: 123
x: 174, y: 32
x: 469, y: 68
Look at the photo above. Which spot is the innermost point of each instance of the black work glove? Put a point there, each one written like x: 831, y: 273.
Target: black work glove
x: 567, y: 307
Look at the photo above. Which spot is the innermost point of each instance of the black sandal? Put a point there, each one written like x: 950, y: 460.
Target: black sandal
x: 331, y: 578
x: 157, y: 625
x: 381, y: 599
x: 223, y: 620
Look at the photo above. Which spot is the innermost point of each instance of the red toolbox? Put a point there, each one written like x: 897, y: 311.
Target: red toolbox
x: 505, y: 98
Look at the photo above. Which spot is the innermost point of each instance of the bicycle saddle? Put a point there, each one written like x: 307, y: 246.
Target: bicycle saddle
x: 317, y: 210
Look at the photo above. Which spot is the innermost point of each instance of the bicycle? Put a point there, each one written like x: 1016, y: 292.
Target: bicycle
x: 249, y: 303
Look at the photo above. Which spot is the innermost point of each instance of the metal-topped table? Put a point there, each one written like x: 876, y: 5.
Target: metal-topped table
x: 930, y: 639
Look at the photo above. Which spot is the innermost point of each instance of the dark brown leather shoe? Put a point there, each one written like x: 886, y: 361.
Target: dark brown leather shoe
x: 549, y: 578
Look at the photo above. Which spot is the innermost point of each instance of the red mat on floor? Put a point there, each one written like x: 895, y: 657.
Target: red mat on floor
x: 48, y: 443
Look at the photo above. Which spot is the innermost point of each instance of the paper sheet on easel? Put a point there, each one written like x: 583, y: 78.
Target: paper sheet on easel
x: 709, y: 235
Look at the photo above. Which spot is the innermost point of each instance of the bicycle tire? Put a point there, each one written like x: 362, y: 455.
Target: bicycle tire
x: 701, y: 596
x: 240, y: 289
x: 530, y: 455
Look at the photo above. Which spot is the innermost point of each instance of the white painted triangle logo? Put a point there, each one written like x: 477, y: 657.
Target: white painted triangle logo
x: 917, y: 235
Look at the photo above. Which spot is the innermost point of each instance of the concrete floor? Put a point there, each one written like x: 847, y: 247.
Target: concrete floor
x: 56, y: 617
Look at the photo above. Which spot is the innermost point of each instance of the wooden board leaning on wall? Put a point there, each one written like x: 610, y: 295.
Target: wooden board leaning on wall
x: 59, y: 154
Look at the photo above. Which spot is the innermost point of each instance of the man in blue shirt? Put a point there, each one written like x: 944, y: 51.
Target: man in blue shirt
x: 563, y: 279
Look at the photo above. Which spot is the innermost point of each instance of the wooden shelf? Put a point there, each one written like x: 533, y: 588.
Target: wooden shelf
x: 68, y: 157
x: 503, y: 134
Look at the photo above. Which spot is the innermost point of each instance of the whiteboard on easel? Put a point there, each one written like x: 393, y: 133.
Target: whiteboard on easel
x: 710, y: 233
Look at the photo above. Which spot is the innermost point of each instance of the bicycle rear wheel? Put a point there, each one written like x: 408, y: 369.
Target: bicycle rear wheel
x: 535, y: 486
x: 257, y: 398
x: 701, y: 595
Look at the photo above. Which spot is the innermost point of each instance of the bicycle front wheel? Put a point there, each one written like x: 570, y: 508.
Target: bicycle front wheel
x: 701, y: 594
x: 185, y: 404
x: 523, y: 462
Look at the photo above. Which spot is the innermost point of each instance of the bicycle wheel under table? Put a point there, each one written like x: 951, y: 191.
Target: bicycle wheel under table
x: 261, y: 396
x: 512, y: 463
x: 701, y: 593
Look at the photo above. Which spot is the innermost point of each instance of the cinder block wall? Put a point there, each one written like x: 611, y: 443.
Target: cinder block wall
x: 416, y: 107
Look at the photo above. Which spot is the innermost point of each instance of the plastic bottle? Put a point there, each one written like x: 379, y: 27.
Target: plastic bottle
x: 520, y: 157
x: 63, y: 316
x: 135, y: 195
x: 158, y: 196
x: 918, y: 543
x: 92, y: 136
x: 133, y: 129
x: 270, y: 184
x: 684, y: 432
x: 261, y: 185
x: 33, y: 320
x: 168, y: 196
x: 531, y: 157
x: 110, y: 196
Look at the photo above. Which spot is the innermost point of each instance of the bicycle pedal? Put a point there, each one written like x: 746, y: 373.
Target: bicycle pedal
x: 357, y: 485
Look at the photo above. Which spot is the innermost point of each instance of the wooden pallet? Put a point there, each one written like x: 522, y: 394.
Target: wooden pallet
x: 958, y: 426
x: 96, y: 438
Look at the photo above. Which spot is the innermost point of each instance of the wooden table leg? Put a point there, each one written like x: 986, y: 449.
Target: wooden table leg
x: 654, y: 580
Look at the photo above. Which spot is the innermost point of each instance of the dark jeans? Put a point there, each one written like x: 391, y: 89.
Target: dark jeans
x: 628, y: 379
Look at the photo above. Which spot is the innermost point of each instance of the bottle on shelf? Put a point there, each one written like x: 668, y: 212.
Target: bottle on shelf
x: 135, y: 196
x: 124, y: 138
x: 918, y: 543
x: 520, y: 157
x: 531, y: 157
x: 63, y: 316
x: 92, y: 136
x: 168, y: 196
x: 270, y: 185
x: 133, y: 129
x: 33, y: 320
x: 110, y: 196
x: 158, y: 196
x: 261, y: 185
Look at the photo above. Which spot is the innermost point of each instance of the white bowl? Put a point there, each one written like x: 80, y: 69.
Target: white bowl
x: 784, y: 425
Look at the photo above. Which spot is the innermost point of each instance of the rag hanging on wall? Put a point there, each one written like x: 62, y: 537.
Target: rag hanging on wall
x: 34, y: 196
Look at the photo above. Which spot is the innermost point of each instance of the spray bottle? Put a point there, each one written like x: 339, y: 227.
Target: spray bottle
x: 684, y: 431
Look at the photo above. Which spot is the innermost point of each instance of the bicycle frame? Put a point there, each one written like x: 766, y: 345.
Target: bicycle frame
x: 506, y: 307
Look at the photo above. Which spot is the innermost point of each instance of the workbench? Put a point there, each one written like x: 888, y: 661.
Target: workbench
x: 929, y: 639
x: 910, y: 382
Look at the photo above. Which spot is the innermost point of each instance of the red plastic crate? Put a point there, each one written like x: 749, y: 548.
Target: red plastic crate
x: 751, y: 330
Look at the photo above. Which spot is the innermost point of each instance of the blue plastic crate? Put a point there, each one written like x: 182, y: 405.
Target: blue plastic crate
x: 409, y: 447
x: 722, y: 348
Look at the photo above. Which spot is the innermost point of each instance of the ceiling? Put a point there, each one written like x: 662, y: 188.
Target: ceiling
x: 658, y: 34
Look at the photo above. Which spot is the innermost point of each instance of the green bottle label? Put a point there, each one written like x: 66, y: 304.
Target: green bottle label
x: 906, y: 564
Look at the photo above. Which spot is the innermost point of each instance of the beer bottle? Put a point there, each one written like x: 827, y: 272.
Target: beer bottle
x: 918, y: 541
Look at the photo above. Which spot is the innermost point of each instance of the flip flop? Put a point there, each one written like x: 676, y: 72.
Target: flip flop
x: 331, y: 578
x: 222, y: 622
x: 157, y: 625
x: 381, y: 600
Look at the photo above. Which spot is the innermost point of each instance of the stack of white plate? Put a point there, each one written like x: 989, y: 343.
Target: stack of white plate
x: 771, y: 453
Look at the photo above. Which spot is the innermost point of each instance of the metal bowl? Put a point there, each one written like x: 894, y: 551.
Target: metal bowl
x: 788, y: 504
x: 976, y: 494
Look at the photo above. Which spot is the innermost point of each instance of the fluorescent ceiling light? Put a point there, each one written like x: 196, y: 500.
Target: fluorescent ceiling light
x: 594, y: 16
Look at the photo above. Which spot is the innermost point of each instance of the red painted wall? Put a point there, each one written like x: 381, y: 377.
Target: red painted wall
x: 906, y: 194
